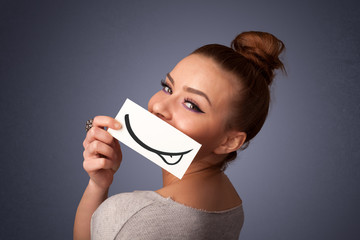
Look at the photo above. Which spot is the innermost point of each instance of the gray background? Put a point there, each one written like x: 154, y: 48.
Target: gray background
x: 63, y: 62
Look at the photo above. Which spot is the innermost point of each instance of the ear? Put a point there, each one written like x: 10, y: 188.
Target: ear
x: 232, y: 142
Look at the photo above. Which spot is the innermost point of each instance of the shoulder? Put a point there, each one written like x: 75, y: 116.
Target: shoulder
x: 127, y: 200
x: 148, y: 215
x: 167, y: 219
x: 115, y: 211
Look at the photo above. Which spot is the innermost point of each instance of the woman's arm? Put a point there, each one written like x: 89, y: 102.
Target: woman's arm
x: 90, y: 201
x: 102, y: 158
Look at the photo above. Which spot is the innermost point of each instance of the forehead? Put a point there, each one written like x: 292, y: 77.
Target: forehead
x: 204, y: 74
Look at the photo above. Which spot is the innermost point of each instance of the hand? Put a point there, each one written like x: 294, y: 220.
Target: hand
x: 102, y: 153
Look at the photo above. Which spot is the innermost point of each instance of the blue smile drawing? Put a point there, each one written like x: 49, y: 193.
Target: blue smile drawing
x: 167, y: 157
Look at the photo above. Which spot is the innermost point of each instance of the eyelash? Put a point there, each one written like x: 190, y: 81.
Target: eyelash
x: 194, y: 108
x: 165, y: 85
x: 193, y: 103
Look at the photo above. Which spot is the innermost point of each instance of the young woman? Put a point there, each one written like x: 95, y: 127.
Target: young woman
x: 219, y: 96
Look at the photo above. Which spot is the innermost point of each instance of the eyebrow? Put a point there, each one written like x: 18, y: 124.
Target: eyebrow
x: 191, y: 90
x: 170, y: 78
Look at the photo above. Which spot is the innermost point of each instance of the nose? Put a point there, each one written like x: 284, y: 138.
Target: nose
x: 161, y: 108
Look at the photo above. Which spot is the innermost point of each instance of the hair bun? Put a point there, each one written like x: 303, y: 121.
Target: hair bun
x: 263, y: 49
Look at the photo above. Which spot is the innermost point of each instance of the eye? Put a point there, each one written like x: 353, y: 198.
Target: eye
x: 192, y: 106
x: 166, y: 88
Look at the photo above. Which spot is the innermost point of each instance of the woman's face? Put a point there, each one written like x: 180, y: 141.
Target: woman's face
x: 195, y: 99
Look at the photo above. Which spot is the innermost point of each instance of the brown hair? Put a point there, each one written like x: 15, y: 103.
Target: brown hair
x: 252, y: 58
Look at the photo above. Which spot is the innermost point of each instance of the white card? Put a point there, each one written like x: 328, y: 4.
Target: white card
x: 155, y: 139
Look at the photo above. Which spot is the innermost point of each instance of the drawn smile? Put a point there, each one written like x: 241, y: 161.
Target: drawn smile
x: 168, y: 157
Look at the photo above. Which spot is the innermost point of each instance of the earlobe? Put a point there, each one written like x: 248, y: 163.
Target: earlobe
x: 232, y: 142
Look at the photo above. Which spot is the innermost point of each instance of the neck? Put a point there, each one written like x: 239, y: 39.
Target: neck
x: 196, y: 170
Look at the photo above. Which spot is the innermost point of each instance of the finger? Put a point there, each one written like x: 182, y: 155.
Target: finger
x: 118, y: 159
x: 91, y: 165
x: 116, y: 145
x: 97, y: 148
x: 105, y: 121
x: 96, y: 133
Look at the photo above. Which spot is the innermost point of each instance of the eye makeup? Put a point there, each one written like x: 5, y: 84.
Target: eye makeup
x: 188, y: 103
x: 192, y: 105
x: 166, y: 88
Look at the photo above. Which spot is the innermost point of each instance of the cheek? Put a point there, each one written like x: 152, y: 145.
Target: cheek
x: 201, y: 131
x: 187, y: 126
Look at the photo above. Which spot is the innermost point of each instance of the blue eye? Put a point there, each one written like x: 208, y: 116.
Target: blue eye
x: 192, y: 106
x: 166, y: 88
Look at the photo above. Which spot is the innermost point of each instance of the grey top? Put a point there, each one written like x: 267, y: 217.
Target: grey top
x: 148, y: 215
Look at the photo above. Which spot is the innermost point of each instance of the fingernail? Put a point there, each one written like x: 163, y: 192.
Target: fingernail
x: 117, y: 125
